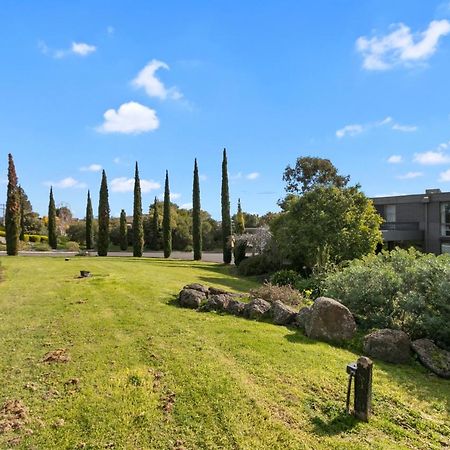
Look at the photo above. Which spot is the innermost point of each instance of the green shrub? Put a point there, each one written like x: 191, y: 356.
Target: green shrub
x: 286, y: 294
x: 2, y: 233
x: 285, y: 277
x: 402, y: 289
x: 72, y: 246
x: 256, y: 265
x: 26, y: 238
x: 42, y: 247
x: 34, y: 238
x: 239, y: 252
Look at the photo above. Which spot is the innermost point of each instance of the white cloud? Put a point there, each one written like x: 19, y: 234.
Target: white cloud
x: 431, y: 158
x: 252, y: 176
x: 77, y: 48
x: 186, y: 206
x: 83, y: 49
x: 173, y: 196
x: 66, y: 183
x: 110, y: 30
x: 356, y: 128
x: 130, y: 118
x: 350, y: 130
x: 153, y: 86
x: 404, y: 128
x: 202, y: 177
x: 91, y: 168
x: 445, y: 176
x: 400, y: 46
x: 395, y: 159
x: 410, y: 175
x: 124, y: 184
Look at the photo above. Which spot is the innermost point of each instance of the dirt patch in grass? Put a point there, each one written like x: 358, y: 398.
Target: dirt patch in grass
x: 59, y: 355
x: 13, y: 416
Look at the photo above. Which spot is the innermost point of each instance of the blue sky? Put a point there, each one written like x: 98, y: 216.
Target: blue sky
x: 99, y: 84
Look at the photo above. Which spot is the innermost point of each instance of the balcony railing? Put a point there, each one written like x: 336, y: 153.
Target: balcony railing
x: 400, y: 226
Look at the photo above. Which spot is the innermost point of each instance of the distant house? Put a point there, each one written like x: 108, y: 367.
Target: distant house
x: 420, y: 220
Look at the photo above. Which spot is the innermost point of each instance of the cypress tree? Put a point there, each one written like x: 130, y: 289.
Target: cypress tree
x: 12, y: 213
x: 138, y: 224
x: 240, y: 222
x: 167, y: 231
x: 154, y: 240
x: 103, y: 218
x: 123, y: 231
x: 89, y: 223
x: 196, y: 216
x: 226, y: 217
x: 52, y: 240
x: 22, y: 213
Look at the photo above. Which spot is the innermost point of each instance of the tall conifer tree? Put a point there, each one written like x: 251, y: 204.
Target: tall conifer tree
x: 154, y: 241
x: 226, y: 216
x: 167, y: 229
x: 52, y: 239
x: 240, y: 222
x: 89, y: 223
x: 12, y: 213
x: 103, y: 218
x: 123, y: 231
x: 196, y: 216
x: 138, y: 224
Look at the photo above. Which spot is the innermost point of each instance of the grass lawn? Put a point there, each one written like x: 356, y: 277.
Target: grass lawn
x: 150, y: 375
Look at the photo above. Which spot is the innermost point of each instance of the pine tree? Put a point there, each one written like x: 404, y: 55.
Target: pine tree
x: 196, y: 216
x: 12, y: 213
x: 138, y: 224
x: 226, y: 217
x: 167, y: 230
x: 52, y: 239
x: 154, y: 230
x: 240, y: 222
x: 103, y: 218
x: 89, y: 223
x: 123, y: 231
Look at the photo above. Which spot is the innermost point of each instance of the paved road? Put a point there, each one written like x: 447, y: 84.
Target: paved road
x: 208, y: 257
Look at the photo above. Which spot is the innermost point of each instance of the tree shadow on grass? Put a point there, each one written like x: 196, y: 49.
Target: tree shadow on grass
x: 340, y: 423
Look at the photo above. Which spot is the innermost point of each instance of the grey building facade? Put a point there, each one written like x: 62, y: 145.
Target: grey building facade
x: 422, y: 220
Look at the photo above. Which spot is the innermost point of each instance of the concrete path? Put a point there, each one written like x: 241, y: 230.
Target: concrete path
x: 208, y: 257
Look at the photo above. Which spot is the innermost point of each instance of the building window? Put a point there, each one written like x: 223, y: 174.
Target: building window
x: 390, y: 213
x: 445, y: 219
x: 445, y: 248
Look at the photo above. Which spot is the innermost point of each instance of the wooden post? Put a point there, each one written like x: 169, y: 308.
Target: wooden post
x: 363, y: 389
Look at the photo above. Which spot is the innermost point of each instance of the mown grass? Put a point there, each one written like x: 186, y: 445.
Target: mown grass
x: 155, y: 376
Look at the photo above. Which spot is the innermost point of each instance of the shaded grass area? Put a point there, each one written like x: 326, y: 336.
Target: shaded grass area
x: 152, y: 375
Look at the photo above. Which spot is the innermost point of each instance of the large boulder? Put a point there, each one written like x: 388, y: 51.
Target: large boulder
x: 191, y: 298
x: 330, y: 321
x: 257, y: 309
x: 216, y: 291
x: 197, y: 287
x: 217, y: 302
x: 388, y: 345
x: 282, y: 314
x: 432, y: 357
x: 235, y: 307
x: 302, y: 318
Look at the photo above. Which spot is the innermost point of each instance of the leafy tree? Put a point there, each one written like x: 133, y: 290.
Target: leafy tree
x: 138, y: 225
x: 26, y: 213
x: 12, y: 213
x: 167, y: 228
x: 239, y: 224
x: 196, y: 216
x: 327, y: 225
x: 103, y: 218
x: 65, y: 217
x: 89, y: 223
x: 226, y: 217
x: 52, y: 239
x: 310, y: 172
x: 123, y: 231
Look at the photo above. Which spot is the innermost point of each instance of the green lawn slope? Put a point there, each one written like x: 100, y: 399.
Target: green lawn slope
x: 145, y: 374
